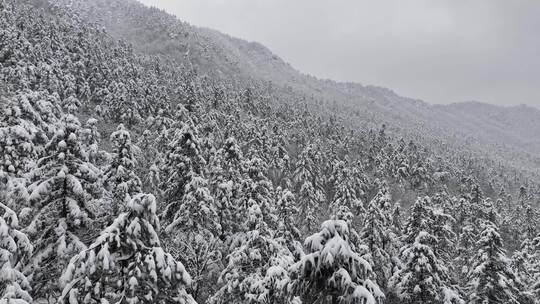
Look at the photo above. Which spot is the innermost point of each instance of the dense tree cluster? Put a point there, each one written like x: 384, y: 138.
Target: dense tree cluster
x: 188, y: 188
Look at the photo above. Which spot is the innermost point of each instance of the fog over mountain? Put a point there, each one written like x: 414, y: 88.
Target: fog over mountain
x: 437, y: 51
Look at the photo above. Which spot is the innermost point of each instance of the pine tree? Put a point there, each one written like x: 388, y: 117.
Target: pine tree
x: 534, y: 262
x: 279, y: 161
x: 422, y: 279
x: 120, y: 176
x: 182, y: 162
x: 256, y: 267
x: 465, y: 252
x: 126, y: 263
x: 191, y: 91
x: 64, y: 184
x: 287, y: 232
x: 345, y: 191
x: 522, y: 262
x: 257, y: 189
x: 491, y: 280
x: 91, y: 137
x: 423, y: 276
x: 332, y: 271
x: 530, y: 222
x: 309, y: 200
x: 396, y: 219
x: 226, y: 181
x: 16, y: 197
x: 195, y: 233
x: 424, y: 218
x: 15, y: 250
x: 22, y: 132
x: 71, y: 104
x: 310, y: 195
x: 378, y: 236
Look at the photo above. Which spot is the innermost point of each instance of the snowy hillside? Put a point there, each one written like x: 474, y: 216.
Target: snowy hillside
x: 144, y: 160
x: 507, y: 135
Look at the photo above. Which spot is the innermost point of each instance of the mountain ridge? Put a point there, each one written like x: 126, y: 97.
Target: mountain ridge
x: 223, y: 56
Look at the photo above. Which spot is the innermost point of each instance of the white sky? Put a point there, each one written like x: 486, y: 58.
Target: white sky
x: 440, y: 51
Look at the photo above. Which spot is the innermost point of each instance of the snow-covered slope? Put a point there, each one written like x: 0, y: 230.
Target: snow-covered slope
x: 508, y: 134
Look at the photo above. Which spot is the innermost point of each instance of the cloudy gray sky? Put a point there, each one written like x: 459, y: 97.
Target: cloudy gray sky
x: 440, y: 51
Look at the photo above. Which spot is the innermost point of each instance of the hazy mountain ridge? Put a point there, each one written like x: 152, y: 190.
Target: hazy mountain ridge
x: 220, y: 55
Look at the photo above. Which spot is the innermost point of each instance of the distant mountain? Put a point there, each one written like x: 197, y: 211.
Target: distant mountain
x: 508, y: 134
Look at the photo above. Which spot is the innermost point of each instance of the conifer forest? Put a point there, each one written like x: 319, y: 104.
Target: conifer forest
x: 147, y: 160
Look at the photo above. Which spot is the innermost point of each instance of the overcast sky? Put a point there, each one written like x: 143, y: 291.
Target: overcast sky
x: 440, y: 51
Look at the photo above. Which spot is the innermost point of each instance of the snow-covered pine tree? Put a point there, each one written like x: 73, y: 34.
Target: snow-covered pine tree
x: 257, y: 189
x: 21, y: 134
x: 279, y: 161
x: 15, y: 195
x: 191, y: 91
x: 332, y: 271
x: 151, y: 155
x: 194, y: 232
x: 304, y: 167
x: 64, y: 183
x: 425, y: 218
x: 120, y: 177
x: 522, y: 263
x: 225, y: 179
x: 470, y: 229
x: 378, y: 235
x: 197, y: 210
x: 71, y: 104
x: 287, y: 232
x: 126, y: 263
x: 501, y: 204
x: 90, y: 139
x: 15, y: 250
x: 465, y: 250
x: 534, y: 263
x: 183, y: 160
x: 397, y: 222
x: 423, y: 276
x: 491, y: 279
x: 345, y: 190
x: 123, y: 107
x: 529, y: 225
x: 309, y: 200
x: 461, y: 213
x: 256, y: 270
x: 309, y: 194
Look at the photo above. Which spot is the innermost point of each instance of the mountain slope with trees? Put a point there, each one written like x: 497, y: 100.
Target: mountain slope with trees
x: 135, y: 175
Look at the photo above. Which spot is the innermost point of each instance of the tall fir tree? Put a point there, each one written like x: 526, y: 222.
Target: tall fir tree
x: 23, y: 131
x: 332, y: 271
x: 534, y: 268
x: 423, y: 276
x: 379, y: 237
x: 194, y: 232
x: 287, y: 231
x: 64, y: 183
x: 127, y: 264
x: 183, y: 161
x: 225, y: 183
x: 91, y: 138
x: 256, y: 265
x: 346, y: 192
x: 120, y: 176
x: 15, y: 250
x: 491, y: 280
